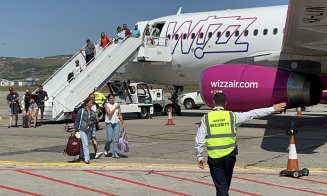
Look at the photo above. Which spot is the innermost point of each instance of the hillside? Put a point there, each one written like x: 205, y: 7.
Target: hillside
x: 12, y: 68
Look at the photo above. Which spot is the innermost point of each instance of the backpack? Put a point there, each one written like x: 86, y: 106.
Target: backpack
x: 123, y: 142
x: 73, y: 146
x: 70, y: 76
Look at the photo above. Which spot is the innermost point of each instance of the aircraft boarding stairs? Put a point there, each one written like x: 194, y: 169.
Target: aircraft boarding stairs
x: 65, y: 95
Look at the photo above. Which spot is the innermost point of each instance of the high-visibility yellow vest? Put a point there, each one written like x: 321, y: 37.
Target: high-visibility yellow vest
x: 99, y: 97
x: 221, y: 133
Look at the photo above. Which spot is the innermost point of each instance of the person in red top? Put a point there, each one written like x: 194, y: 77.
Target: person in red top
x: 126, y: 30
x: 105, y: 40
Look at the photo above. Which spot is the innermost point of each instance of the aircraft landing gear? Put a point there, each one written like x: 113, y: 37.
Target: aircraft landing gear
x: 174, y: 91
x: 176, y: 109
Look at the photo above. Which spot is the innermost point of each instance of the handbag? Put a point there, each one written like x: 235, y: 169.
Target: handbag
x: 74, y: 143
x: 123, y: 142
x: 73, y: 146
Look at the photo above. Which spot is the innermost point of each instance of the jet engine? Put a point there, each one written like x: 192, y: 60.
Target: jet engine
x: 250, y: 86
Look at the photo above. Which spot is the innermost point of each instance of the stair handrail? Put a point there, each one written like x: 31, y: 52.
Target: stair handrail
x: 64, y: 65
x: 83, y: 67
x: 104, y: 57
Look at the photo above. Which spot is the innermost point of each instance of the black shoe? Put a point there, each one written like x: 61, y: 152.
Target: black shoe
x: 87, y: 162
x: 76, y: 160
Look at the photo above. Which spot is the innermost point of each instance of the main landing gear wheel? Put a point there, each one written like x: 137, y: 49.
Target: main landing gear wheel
x: 176, y: 109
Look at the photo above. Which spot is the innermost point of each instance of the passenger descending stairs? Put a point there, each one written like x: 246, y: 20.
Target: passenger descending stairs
x: 64, y: 96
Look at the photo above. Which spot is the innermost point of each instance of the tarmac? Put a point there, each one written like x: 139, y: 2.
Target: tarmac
x: 161, y: 160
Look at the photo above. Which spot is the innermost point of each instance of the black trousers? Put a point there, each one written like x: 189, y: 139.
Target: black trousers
x: 221, y: 170
x: 89, y: 57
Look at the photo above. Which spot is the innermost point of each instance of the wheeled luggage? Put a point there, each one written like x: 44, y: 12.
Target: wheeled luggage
x: 25, y: 121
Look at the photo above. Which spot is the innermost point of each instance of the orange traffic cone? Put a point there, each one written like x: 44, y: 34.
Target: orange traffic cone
x: 170, y: 117
x: 292, y: 163
x: 298, y: 111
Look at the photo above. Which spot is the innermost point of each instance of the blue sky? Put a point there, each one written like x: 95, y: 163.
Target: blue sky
x: 39, y: 28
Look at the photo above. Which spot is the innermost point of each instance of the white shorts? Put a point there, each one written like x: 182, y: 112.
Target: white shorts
x: 33, y: 106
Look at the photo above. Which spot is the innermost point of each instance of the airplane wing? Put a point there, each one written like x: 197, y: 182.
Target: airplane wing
x: 305, y: 31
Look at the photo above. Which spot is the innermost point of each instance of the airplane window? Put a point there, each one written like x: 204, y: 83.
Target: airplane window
x: 193, y: 35
x: 219, y: 34
x: 237, y: 33
x: 184, y: 36
x: 246, y: 32
x: 210, y: 34
x: 168, y: 36
x: 275, y: 31
x: 176, y: 36
x: 265, y: 31
x: 227, y: 33
x: 201, y: 35
x: 255, y: 32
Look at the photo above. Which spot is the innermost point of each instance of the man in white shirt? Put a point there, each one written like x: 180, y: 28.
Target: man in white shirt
x: 217, y: 132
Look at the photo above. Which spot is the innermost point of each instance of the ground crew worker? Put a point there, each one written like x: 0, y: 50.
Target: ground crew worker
x: 99, y: 97
x: 99, y: 100
x: 218, y: 131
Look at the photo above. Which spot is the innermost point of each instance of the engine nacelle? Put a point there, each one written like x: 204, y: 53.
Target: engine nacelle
x: 250, y: 86
x: 324, y: 97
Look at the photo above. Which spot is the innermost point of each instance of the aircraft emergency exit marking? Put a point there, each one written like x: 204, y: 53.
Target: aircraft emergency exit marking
x: 200, y: 43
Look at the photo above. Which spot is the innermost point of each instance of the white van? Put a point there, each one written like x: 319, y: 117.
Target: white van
x: 192, y: 100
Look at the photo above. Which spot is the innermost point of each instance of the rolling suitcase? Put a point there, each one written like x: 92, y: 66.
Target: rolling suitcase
x: 14, y: 108
x: 25, y: 121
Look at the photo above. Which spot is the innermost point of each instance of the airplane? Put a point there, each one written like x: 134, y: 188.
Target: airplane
x: 256, y: 56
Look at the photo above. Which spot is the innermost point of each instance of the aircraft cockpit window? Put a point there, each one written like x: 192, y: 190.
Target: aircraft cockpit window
x: 227, y: 33
x: 237, y: 33
x: 246, y: 32
x: 255, y: 32
x: 265, y: 31
x: 184, y: 36
x: 218, y: 34
x: 176, y: 36
x: 193, y: 35
x: 210, y: 34
x: 201, y: 35
x: 275, y: 31
x: 168, y: 36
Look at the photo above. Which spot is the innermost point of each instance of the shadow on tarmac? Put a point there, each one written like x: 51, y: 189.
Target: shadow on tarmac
x: 312, y: 133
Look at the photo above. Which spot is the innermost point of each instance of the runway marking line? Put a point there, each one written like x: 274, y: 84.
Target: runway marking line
x: 66, y: 164
x: 314, y: 181
x: 19, y: 190
x: 137, y: 183
x: 199, y: 182
x: 157, y: 172
x: 63, y: 182
x: 277, y: 185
